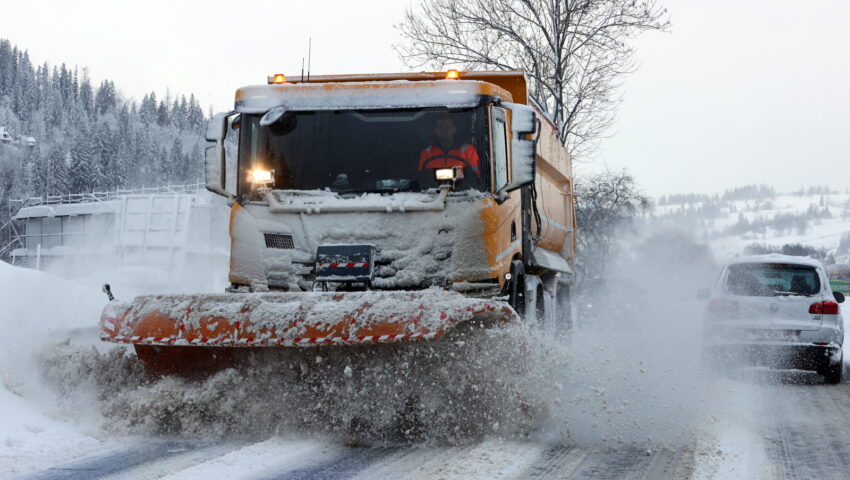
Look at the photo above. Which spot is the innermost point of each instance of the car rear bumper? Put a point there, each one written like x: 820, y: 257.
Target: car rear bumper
x: 782, y: 356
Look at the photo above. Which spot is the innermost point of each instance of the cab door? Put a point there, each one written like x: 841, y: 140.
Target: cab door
x: 502, y: 223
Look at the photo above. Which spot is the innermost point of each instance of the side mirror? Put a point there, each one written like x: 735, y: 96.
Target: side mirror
x: 525, y: 129
x: 704, y: 294
x: 216, y: 127
x: 839, y: 297
x: 214, y: 156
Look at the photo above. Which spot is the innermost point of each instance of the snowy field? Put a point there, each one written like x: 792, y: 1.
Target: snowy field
x: 625, y: 396
x: 814, y: 219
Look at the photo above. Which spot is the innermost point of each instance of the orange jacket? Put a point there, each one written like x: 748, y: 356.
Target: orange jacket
x: 463, y: 156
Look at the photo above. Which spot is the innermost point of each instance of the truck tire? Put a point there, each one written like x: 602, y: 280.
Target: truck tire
x: 516, y: 289
x: 540, y: 305
x: 565, y: 307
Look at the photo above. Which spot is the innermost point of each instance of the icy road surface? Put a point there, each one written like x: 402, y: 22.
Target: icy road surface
x: 763, y: 425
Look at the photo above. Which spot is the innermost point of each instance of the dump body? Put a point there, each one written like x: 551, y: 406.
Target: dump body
x: 435, y: 201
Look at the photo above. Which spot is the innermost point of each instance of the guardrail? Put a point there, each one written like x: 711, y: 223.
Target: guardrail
x: 190, y: 189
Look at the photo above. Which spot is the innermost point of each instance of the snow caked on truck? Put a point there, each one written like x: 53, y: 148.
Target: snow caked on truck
x: 368, y: 209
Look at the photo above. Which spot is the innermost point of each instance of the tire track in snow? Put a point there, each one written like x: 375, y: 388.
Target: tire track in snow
x: 345, y: 466
x: 513, y: 460
x: 778, y: 425
x: 809, y: 428
x: 839, y: 399
x: 627, y: 462
x: 259, y: 460
x: 557, y: 462
x: 491, y: 459
x: 100, y: 466
x: 729, y: 442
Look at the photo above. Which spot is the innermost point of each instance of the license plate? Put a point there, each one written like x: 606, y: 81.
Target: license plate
x: 345, y: 263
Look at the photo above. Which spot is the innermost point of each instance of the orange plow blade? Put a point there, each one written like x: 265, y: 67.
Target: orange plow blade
x: 294, y: 319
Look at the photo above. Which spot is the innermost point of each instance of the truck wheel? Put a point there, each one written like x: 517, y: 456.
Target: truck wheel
x: 834, y: 373
x: 565, y: 308
x: 516, y: 289
x: 540, y: 305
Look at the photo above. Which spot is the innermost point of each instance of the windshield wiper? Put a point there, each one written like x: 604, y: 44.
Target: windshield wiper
x: 795, y: 294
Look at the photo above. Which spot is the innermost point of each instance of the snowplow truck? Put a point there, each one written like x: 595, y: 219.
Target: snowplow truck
x: 369, y: 209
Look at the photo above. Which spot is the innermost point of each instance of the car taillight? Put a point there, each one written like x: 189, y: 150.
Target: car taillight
x: 722, y: 307
x: 824, y: 308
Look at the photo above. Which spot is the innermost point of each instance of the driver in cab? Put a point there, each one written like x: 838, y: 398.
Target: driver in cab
x: 445, y: 151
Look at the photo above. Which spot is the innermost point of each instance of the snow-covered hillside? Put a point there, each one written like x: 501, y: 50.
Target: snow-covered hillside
x: 756, y: 218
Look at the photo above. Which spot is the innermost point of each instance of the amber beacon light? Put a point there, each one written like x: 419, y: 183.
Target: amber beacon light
x: 452, y: 75
x: 277, y: 79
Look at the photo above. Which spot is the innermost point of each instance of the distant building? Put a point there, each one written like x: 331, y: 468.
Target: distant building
x: 5, y: 136
x: 26, y: 141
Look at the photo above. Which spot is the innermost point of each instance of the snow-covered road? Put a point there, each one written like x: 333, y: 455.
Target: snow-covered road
x: 292, y: 459
x: 624, y: 397
x: 772, y: 425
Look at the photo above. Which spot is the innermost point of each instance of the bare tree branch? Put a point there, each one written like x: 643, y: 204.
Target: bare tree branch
x: 574, y: 51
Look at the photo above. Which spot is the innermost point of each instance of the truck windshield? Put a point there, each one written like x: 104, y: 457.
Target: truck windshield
x: 366, y: 150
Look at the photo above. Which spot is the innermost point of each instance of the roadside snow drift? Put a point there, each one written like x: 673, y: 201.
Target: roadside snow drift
x: 38, y: 309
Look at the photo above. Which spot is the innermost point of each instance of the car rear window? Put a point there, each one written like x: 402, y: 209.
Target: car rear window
x: 772, y: 279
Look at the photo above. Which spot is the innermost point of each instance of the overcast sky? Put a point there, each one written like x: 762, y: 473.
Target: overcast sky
x: 737, y: 92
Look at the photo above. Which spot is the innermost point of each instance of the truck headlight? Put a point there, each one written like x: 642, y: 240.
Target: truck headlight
x: 262, y: 177
x: 448, y: 174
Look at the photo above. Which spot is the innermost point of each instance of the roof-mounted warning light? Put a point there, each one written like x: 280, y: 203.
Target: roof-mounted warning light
x: 452, y: 75
x: 277, y: 79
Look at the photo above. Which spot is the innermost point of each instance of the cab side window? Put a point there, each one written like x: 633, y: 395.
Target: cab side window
x: 498, y: 132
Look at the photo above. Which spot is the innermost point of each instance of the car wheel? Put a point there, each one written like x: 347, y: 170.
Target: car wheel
x: 834, y: 373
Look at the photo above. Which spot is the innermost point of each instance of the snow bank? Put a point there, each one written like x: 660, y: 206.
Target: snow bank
x: 37, y: 309
x: 43, y: 317
x: 35, y: 302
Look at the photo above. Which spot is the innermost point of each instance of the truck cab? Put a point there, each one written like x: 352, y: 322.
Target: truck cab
x: 396, y: 182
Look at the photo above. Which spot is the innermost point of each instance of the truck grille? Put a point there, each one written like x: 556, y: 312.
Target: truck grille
x: 277, y: 240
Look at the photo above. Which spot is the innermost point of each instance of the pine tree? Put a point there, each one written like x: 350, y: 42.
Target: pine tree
x: 105, y: 97
x: 56, y: 172
x: 86, y: 94
x: 106, y: 174
x: 6, y: 67
x: 148, y: 108
x: 83, y: 164
x: 178, y: 167
x: 162, y: 116
x: 91, y: 138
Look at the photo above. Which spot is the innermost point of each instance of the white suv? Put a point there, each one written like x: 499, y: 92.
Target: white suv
x: 776, y: 310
